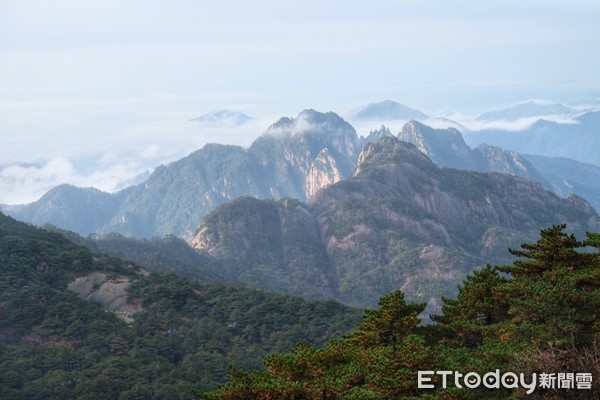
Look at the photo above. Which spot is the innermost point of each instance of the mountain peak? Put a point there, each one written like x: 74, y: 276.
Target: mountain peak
x: 387, y: 110
x: 538, y: 102
x: 375, y: 135
x: 281, y: 123
x: 444, y: 146
x: 527, y: 109
x: 389, y: 149
x: 421, y: 129
x: 223, y: 119
x: 311, y: 122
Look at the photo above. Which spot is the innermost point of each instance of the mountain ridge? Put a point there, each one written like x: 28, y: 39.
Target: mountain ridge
x: 399, y: 222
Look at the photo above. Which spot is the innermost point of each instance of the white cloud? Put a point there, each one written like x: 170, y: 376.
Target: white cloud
x: 25, y: 183
x: 520, y: 124
x: 113, y: 162
x: 58, y: 167
x: 21, y: 183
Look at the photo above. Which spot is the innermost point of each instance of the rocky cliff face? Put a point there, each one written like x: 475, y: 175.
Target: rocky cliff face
x: 267, y: 244
x: 399, y: 222
x: 323, y: 172
x: 445, y: 147
x: 110, y: 293
x: 493, y: 158
x: 298, y: 155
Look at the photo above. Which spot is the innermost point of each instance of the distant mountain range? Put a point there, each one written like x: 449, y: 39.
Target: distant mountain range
x: 578, y: 140
x: 528, y: 109
x: 294, y: 158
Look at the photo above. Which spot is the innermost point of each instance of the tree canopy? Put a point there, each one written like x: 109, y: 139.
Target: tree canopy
x: 539, y: 314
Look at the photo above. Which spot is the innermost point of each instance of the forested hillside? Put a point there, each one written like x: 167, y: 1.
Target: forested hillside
x: 183, y: 336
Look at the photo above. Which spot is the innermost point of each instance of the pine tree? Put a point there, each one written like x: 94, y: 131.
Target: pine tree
x: 476, y: 308
x: 379, y: 360
x: 390, y: 322
x: 554, y: 292
x: 553, y: 250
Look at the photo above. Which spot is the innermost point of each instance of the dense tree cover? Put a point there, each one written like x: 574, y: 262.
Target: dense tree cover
x: 378, y: 360
x: 54, y: 345
x: 168, y: 253
x: 540, y: 314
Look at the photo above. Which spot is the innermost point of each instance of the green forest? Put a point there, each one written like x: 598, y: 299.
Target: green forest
x: 191, y: 340
x: 54, y: 345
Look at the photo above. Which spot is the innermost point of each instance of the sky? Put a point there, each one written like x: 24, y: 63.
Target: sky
x: 97, y: 93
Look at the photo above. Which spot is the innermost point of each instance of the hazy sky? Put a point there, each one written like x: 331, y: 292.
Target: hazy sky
x: 96, y: 92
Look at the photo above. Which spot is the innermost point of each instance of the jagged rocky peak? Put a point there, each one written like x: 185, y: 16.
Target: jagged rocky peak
x: 412, y: 132
x: 376, y: 134
x: 319, y: 148
x: 420, y: 131
x: 281, y: 124
x: 312, y: 122
x: 390, y: 150
x: 581, y: 203
x: 445, y: 147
